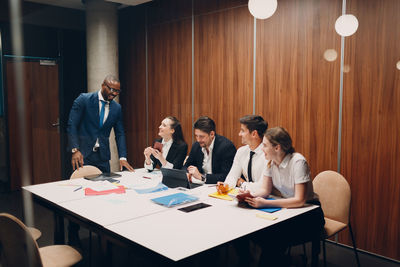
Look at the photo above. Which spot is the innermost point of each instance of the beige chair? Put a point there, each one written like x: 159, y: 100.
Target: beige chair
x: 80, y: 173
x: 18, y: 248
x: 335, y: 197
x: 36, y: 234
x: 85, y: 170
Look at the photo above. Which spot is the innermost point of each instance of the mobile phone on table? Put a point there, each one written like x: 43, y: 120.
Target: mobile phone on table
x: 242, y: 197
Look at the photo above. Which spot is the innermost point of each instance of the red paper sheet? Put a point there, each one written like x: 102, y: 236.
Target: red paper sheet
x: 91, y: 192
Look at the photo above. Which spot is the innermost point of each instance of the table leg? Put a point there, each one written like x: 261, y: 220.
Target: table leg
x: 315, y: 252
x: 59, y: 236
x: 106, y: 251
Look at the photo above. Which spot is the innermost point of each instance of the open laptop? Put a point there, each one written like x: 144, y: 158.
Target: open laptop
x: 176, y: 178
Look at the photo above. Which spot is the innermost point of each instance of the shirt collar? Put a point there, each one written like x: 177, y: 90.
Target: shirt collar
x: 258, y: 149
x: 285, y: 161
x: 168, y: 142
x: 101, y: 98
x: 210, y: 148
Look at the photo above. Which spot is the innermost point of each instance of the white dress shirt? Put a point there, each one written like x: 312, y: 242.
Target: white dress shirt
x: 241, y: 163
x: 292, y: 170
x: 165, y: 149
x: 106, y: 112
x: 207, y: 160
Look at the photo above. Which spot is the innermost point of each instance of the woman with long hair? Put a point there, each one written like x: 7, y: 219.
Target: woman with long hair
x: 170, y: 150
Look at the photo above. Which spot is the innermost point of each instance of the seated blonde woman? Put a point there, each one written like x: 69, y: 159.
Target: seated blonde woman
x: 173, y: 149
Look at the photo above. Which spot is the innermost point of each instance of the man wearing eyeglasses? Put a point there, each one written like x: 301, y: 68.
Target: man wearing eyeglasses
x: 91, y: 119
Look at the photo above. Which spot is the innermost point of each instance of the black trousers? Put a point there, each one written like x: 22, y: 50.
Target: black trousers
x: 275, y: 240
x: 94, y: 159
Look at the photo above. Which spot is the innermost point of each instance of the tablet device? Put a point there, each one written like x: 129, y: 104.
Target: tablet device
x: 176, y: 178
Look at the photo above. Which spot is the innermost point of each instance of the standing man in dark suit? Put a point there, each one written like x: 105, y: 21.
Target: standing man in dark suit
x: 91, y: 119
x: 211, y: 156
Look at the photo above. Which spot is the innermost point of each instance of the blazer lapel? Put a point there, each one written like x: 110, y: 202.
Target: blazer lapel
x: 214, y: 152
x: 94, y: 107
x: 172, y: 152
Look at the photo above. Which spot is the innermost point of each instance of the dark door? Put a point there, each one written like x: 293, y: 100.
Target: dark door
x: 41, y: 94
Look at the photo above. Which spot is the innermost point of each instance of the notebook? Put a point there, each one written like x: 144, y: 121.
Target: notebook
x: 176, y: 178
x: 174, y: 199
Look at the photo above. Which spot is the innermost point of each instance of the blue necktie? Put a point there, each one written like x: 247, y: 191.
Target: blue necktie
x: 103, y: 108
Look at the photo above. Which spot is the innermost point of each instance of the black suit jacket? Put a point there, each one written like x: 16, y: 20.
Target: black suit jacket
x: 222, y: 157
x: 176, y: 155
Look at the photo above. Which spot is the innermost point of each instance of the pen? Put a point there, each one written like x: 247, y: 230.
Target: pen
x: 146, y: 177
x: 77, y: 188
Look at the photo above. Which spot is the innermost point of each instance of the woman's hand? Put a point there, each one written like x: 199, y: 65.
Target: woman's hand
x: 158, y: 155
x: 255, y: 202
x: 147, y: 152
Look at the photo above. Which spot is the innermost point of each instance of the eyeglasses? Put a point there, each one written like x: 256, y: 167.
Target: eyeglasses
x: 112, y: 89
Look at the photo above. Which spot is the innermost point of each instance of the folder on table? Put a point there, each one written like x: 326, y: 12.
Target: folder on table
x: 157, y: 188
x: 174, y: 199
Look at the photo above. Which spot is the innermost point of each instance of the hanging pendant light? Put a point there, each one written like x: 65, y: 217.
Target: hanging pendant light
x: 262, y: 9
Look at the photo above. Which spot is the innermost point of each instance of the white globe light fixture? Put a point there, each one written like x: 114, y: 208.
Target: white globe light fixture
x: 330, y: 55
x: 262, y: 9
x: 398, y: 65
x: 346, y: 25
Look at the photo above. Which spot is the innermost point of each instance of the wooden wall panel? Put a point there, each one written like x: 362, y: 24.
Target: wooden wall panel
x: 371, y: 123
x: 132, y: 60
x: 223, y: 68
x: 170, y: 75
x: 160, y: 11
x: 206, y: 6
x: 295, y: 87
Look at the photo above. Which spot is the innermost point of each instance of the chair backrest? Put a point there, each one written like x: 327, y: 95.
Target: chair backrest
x: 334, y: 194
x: 85, y: 170
x: 17, y: 246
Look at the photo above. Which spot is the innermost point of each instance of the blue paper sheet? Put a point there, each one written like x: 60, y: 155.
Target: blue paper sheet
x: 174, y: 199
x: 157, y: 188
x: 270, y: 209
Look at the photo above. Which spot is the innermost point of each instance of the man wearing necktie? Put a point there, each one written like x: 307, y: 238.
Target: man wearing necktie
x: 91, y: 119
x: 249, y: 161
x: 247, y: 168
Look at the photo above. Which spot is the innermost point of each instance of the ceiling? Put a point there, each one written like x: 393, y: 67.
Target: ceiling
x: 77, y: 4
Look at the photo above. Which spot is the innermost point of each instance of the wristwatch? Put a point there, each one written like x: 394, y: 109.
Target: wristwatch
x: 74, y: 150
x: 203, y: 177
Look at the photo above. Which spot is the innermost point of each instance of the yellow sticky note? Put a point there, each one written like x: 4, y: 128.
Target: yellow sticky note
x: 266, y: 216
x: 220, y: 196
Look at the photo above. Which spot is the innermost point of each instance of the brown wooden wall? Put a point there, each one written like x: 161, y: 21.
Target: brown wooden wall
x: 371, y: 123
x: 223, y: 68
x: 295, y: 87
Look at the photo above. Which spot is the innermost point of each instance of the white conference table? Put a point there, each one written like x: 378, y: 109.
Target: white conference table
x: 169, y: 232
